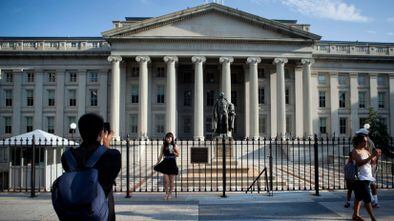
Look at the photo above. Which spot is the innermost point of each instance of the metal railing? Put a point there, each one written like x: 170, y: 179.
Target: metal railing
x: 222, y: 165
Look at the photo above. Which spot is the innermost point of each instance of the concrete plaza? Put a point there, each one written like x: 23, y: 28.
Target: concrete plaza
x: 205, y: 206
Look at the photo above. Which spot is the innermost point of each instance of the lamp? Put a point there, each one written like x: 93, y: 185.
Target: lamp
x: 73, y: 126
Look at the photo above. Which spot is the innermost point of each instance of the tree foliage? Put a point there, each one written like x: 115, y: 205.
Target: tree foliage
x: 378, y: 130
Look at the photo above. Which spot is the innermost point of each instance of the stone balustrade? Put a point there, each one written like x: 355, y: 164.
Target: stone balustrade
x: 53, y: 45
x: 354, y: 49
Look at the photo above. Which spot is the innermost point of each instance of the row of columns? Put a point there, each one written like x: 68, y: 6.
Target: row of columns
x: 198, y: 62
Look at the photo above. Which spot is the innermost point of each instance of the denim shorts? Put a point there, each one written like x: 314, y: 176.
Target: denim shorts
x: 362, y: 191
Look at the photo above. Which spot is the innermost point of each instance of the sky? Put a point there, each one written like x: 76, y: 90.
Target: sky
x: 339, y: 20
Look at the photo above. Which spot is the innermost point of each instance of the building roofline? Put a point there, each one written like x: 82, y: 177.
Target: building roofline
x: 355, y: 42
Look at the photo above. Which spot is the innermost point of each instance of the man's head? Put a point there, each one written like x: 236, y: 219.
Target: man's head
x: 221, y: 95
x: 90, y: 126
x: 362, y: 131
x: 359, y: 141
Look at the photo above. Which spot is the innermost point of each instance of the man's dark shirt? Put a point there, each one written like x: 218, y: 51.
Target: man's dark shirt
x: 108, y: 165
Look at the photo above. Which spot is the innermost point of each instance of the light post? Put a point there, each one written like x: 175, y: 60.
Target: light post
x: 73, y: 126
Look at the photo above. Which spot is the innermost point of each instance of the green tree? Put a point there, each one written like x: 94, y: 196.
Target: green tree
x: 378, y: 131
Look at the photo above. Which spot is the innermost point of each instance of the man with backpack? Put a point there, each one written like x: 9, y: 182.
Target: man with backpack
x: 84, y: 191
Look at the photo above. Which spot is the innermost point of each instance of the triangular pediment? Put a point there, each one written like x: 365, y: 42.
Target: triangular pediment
x: 209, y: 21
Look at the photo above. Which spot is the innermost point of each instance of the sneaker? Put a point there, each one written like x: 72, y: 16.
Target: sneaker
x: 347, y: 205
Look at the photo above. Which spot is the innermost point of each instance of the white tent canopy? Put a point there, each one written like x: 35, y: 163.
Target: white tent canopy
x: 40, y: 138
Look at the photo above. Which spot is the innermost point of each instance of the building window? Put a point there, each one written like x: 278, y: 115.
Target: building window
x: 51, y: 77
x: 29, y: 97
x: 210, y: 77
x: 160, y: 72
x: 342, y: 99
x: 71, y: 119
x: 234, y: 79
x: 187, y: 77
x: 382, y: 80
x: 362, y: 79
x: 289, y: 124
x: 381, y: 99
x: 30, y: 77
x: 261, y: 73
x: 51, y: 98
x: 93, y: 77
x: 342, y: 125
x: 51, y: 124
x: 261, y: 96
x: 210, y: 98
x: 8, y: 98
x: 134, y: 94
x: 234, y: 97
x: 287, y: 96
x: 135, y: 71
x: 9, y: 77
x: 73, y: 76
x: 29, y: 124
x: 322, y: 79
x: 287, y: 74
x: 362, y: 121
x: 187, y: 124
x: 208, y: 125
x: 262, y: 124
x: 187, y: 98
x: 133, y: 123
x: 7, y: 125
x: 160, y: 94
x: 322, y: 99
x: 159, y: 123
x: 362, y: 99
x: 323, y: 125
x: 93, y: 97
x: 342, y: 80
x: 72, y: 100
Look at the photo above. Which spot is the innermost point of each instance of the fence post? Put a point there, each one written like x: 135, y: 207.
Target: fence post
x: 127, y: 167
x: 316, y: 159
x: 224, y: 165
x: 33, y: 170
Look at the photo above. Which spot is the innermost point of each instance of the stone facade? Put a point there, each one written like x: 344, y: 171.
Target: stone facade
x: 152, y: 75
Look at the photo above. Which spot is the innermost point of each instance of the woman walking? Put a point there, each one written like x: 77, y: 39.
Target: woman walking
x: 168, y: 166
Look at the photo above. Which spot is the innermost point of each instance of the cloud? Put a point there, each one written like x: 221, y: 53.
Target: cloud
x: 371, y: 32
x: 390, y: 19
x: 390, y: 33
x: 330, y: 9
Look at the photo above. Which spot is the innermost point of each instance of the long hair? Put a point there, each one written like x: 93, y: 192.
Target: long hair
x: 169, y: 134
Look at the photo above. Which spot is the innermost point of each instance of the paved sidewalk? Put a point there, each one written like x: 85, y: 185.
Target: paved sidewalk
x: 205, y: 206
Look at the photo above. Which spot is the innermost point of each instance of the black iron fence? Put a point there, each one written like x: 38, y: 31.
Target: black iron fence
x: 219, y: 165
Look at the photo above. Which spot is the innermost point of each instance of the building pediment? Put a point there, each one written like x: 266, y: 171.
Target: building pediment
x: 209, y: 21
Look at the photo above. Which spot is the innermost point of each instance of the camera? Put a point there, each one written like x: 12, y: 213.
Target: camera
x: 107, y: 127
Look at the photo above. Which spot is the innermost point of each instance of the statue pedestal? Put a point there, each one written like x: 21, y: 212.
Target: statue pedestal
x: 228, y: 142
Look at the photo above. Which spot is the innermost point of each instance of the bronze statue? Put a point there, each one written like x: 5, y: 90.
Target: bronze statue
x: 223, y: 115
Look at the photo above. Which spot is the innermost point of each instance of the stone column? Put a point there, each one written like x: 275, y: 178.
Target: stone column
x: 254, y: 96
x: 115, y: 94
x: 373, y: 88
x: 198, y: 97
x: 226, y: 76
x: 354, y: 121
x: 103, y: 97
x: 273, y: 100
x: 170, y: 96
x: 299, y: 102
x: 59, y: 119
x: 38, y: 99
x: 334, y: 103
x: 246, y: 100
x: 306, y: 74
x: 281, y: 105
x: 391, y: 97
x: 81, y: 99
x: 143, y: 96
x: 17, y: 101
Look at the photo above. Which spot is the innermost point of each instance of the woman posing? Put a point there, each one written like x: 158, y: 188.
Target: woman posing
x: 168, y: 166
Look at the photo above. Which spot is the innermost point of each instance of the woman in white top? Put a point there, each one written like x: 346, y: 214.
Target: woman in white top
x: 362, y: 158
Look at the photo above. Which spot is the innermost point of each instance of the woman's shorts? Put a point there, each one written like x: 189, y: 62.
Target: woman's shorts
x: 362, y: 191
x: 350, y: 184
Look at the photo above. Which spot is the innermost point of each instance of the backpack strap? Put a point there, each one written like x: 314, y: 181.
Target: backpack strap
x: 71, y: 161
x: 95, y: 156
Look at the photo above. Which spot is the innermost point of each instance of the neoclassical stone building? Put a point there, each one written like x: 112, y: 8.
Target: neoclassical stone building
x: 151, y: 75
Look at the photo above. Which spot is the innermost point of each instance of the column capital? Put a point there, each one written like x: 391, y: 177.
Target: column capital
x: 168, y: 59
x: 142, y: 58
x: 198, y: 59
x: 114, y: 58
x: 280, y: 60
x: 226, y: 59
x: 307, y: 61
x: 253, y: 60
